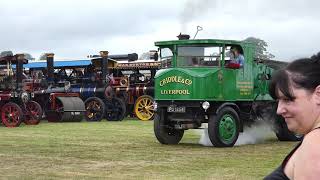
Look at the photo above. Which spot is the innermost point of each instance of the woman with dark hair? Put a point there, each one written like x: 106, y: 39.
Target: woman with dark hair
x: 297, y: 89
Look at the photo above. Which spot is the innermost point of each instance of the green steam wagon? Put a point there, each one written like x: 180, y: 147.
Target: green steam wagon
x: 198, y: 84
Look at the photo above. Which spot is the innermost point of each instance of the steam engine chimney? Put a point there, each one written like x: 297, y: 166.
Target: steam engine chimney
x: 183, y: 36
x: 50, y: 67
x: 104, y: 63
x: 19, y: 69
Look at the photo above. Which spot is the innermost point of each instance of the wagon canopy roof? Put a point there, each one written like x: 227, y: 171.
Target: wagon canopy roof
x: 202, y: 42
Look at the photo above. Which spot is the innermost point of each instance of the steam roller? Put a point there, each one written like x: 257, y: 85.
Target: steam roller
x: 66, y: 109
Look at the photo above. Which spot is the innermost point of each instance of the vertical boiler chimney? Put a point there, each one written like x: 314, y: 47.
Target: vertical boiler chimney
x: 104, y: 64
x: 50, y: 67
x: 19, y: 69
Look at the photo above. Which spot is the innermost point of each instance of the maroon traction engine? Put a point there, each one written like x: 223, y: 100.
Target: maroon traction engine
x: 15, y: 98
x: 137, y: 87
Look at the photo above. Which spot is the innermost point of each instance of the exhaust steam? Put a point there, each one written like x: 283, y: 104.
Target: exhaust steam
x: 257, y: 133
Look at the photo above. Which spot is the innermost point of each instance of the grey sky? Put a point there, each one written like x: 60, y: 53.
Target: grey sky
x: 76, y: 28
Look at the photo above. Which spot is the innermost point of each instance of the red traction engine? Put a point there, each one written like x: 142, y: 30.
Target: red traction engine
x: 15, y: 101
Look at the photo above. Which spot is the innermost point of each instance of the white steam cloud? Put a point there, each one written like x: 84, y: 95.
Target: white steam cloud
x: 194, y: 9
x: 257, y: 133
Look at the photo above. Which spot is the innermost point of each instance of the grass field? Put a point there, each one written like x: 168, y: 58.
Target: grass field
x: 126, y: 150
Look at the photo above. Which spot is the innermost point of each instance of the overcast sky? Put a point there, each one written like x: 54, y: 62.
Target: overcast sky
x: 77, y: 28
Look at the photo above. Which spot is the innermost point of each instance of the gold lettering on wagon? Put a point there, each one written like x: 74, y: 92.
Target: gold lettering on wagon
x: 176, y: 91
x: 175, y: 79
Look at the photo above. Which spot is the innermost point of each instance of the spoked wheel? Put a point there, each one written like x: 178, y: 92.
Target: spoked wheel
x: 115, y: 109
x: 33, y: 113
x: 95, y: 109
x: 143, y: 108
x: 11, y: 115
x: 163, y: 132
x: 223, y: 128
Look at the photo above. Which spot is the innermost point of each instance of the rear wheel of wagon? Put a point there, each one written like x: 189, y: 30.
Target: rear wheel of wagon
x: 163, y: 132
x: 223, y: 128
x: 283, y: 133
x: 11, y: 115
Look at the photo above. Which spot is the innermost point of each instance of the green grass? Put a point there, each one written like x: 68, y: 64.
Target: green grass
x: 126, y: 150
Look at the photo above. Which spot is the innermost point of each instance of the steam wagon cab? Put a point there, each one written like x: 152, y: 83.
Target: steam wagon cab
x: 15, y: 101
x: 204, y: 83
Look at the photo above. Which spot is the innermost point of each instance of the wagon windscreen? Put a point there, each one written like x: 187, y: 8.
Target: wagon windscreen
x: 199, y: 56
x: 166, y: 57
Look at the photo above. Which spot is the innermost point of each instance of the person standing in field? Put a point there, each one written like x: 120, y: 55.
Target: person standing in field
x: 297, y: 90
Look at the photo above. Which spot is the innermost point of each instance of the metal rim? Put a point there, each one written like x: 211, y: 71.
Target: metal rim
x: 227, y: 128
x: 11, y: 115
x: 144, y: 108
x: 94, y: 109
x: 115, y: 109
x: 34, y: 113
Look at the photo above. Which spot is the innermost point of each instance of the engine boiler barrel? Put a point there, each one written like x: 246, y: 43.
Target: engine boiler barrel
x: 51, y: 90
x: 121, y: 57
x: 129, y: 57
x: 87, y: 91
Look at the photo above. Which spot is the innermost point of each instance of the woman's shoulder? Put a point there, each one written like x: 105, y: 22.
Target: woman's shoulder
x: 310, y: 147
x: 308, y: 156
x: 312, y: 136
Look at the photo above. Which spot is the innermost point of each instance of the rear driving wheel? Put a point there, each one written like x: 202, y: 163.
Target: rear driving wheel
x: 144, y: 108
x: 115, y: 109
x: 283, y: 133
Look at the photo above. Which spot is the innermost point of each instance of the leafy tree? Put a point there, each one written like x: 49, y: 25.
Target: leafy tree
x: 43, y: 56
x: 261, y: 48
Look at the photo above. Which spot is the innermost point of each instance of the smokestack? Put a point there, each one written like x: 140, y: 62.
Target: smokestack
x: 183, y: 36
x: 19, y: 69
x: 104, y: 63
x: 50, y: 67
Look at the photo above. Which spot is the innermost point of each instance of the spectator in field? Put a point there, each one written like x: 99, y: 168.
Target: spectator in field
x: 297, y: 89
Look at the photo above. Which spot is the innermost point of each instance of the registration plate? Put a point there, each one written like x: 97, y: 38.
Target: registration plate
x: 177, y: 109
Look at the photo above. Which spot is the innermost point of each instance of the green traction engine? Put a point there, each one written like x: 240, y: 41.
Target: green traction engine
x: 196, y: 85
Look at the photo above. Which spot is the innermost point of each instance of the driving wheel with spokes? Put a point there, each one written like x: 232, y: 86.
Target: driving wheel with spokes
x: 11, y: 115
x: 95, y: 109
x: 115, y: 109
x: 143, y: 108
x: 33, y: 113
